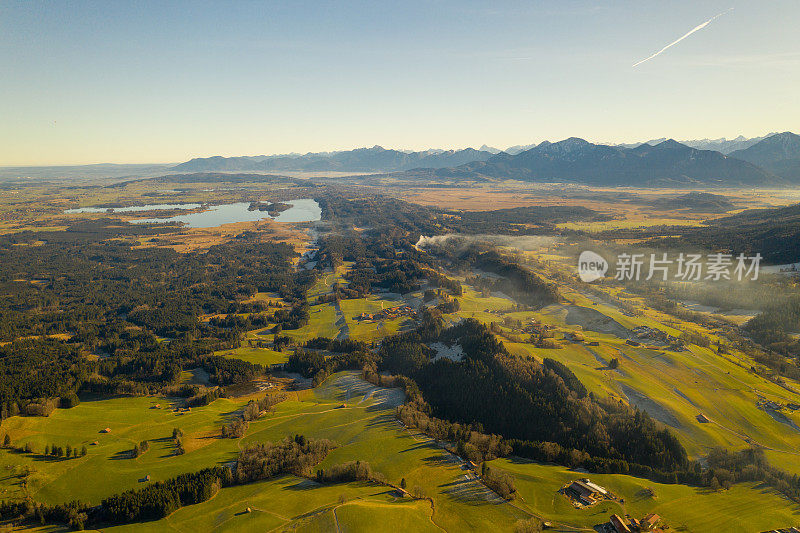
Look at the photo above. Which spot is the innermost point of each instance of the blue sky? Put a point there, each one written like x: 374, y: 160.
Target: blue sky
x: 89, y: 82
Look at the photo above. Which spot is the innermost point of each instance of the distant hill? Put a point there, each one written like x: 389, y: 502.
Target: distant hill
x: 702, y: 202
x: 99, y: 171
x: 375, y: 159
x: 773, y: 232
x: 779, y: 154
x: 668, y: 163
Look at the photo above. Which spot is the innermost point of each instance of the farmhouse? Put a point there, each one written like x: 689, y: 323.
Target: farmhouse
x: 649, y: 522
x: 619, y: 525
x: 389, y: 313
x: 586, y: 492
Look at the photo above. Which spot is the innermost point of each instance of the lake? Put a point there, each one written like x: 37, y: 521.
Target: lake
x: 131, y: 209
x: 304, y: 210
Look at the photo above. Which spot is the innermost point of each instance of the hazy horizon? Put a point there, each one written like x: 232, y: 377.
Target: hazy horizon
x: 94, y: 83
x: 402, y: 149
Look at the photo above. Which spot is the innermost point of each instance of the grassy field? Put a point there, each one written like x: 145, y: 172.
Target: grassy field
x: 746, y: 507
x: 304, y: 506
x: 673, y: 387
x: 364, y: 428
x: 369, y: 331
x: 261, y: 356
x: 360, y: 418
x: 131, y: 420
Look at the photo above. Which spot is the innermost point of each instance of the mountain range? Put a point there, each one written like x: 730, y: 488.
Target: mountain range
x: 375, y: 159
x: 722, y: 145
x: 773, y: 160
x: 668, y: 163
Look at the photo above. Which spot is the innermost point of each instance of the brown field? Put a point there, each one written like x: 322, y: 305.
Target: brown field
x: 626, y: 212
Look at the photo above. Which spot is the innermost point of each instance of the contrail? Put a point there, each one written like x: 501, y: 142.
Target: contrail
x: 673, y: 43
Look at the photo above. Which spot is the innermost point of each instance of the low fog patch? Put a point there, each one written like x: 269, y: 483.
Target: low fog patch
x: 523, y: 243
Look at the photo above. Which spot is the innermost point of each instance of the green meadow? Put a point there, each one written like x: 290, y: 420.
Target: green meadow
x: 131, y: 420
x: 674, y: 387
x: 357, y: 416
x: 304, y: 506
x: 746, y: 507
x: 360, y: 418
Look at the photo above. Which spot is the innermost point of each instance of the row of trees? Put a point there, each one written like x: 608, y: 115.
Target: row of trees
x: 237, y: 427
x: 55, y: 450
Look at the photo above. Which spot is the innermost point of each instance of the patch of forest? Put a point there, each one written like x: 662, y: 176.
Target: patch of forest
x: 381, y: 212
x: 773, y: 232
x: 137, y: 309
x: 524, y: 400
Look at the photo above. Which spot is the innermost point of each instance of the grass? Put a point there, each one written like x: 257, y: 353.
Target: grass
x: 365, y: 430
x: 261, y: 356
x: 131, y: 421
x: 369, y: 331
x: 350, y: 412
x: 674, y: 387
x: 304, y: 505
x: 746, y: 507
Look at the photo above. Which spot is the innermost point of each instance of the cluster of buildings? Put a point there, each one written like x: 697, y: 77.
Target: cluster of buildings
x: 537, y: 328
x: 769, y: 405
x: 646, y: 332
x: 648, y: 523
x: 585, y: 493
x: 388, y: 314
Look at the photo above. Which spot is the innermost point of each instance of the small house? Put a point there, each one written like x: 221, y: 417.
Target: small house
x: 649, y: 522
x: 619, y: 525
